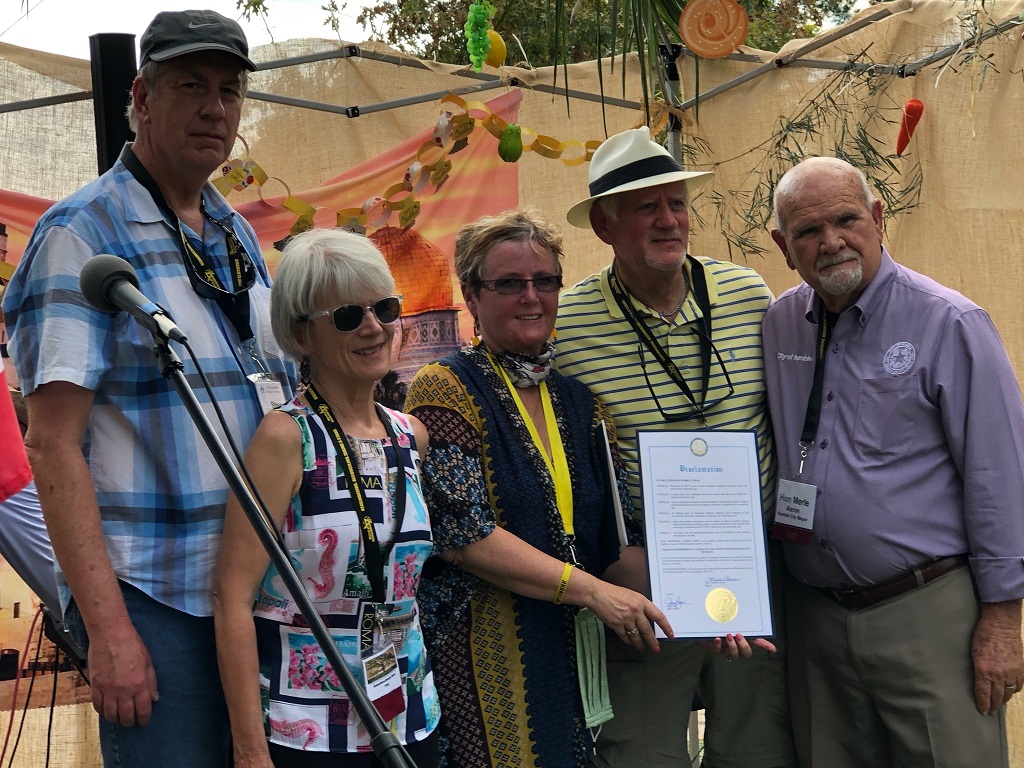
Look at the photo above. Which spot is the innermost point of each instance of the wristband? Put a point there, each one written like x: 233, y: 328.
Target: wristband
x: 563, y: 583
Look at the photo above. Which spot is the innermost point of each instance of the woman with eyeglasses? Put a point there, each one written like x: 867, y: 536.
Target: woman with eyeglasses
x: 524, y: 527
x: 339, y: 474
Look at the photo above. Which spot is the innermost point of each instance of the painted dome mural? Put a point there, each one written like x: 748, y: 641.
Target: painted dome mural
x: 429, y: 325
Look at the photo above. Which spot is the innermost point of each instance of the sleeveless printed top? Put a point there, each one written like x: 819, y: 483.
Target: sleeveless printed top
x: 304, y: 704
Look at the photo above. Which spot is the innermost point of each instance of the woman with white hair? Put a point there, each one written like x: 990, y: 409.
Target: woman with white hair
x: 339, y: 475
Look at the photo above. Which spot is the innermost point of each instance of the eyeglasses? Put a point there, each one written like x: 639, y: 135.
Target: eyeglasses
x: 699, y: 409
x: 513, y: 286
x: 348, y: 317
x: 200, y: 273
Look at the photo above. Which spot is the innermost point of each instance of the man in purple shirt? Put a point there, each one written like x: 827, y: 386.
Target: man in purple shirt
x: 899, y: 429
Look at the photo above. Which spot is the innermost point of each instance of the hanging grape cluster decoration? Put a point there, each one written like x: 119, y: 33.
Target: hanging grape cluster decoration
x: 478, y: 42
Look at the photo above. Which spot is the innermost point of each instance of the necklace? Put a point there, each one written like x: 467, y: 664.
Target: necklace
x: 535, y: 410
x: 679, y: 306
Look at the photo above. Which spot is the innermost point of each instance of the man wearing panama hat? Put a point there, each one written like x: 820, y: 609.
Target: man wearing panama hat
x: 670, y: 341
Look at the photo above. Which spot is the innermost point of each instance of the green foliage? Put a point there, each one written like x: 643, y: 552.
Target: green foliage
x: 250, y: 8
x: 844, y: 117
x: 773, y: 23
x: 261, y: 10
x: 434, y: 30
x: 332, y: 9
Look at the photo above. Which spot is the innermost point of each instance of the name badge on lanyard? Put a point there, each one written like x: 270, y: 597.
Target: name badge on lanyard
x: 268, y: 390
x: 380, y: 664
x: 794, y: 511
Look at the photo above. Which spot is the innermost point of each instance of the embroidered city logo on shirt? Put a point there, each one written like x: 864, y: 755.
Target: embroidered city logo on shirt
x: 899, y: 358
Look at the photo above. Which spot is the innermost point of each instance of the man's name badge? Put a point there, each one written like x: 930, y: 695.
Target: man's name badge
x: 268, y: 390
x: 794, y: 512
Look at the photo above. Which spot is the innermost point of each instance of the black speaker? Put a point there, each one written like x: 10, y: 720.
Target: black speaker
x: 113, y: 72
x: 9, y: 663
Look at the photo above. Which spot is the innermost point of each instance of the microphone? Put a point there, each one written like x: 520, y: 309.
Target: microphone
x: 110, y: 284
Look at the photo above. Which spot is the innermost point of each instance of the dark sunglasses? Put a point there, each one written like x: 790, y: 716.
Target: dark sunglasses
x: 512, y: 286
x: 348, y: 317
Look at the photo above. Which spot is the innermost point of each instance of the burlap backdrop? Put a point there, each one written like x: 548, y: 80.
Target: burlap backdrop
x: 967, y: 231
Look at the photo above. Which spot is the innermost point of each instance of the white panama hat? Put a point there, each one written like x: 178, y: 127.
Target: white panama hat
x: 631, y: 160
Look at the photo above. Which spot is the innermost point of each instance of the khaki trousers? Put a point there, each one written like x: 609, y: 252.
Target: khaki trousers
x: 892, y: 685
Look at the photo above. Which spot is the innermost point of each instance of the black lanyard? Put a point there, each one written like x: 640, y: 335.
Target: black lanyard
x: 375, y: 554
x: 826, y: 324
x: 234, y: 304
x: 701, y: 296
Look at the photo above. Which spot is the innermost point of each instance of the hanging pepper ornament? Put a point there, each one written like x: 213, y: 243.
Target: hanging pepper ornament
x: 510, y: 145
x: 478, y: 42
x: 912, y: 112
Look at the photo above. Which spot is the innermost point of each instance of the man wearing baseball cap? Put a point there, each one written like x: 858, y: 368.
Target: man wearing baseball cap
x: 131, y: 495
x: 671, y: 341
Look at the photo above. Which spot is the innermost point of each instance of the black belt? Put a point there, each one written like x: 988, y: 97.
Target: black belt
x: 862, y: 597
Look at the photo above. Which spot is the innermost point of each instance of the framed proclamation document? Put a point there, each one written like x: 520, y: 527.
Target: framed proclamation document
x: 705, y: 535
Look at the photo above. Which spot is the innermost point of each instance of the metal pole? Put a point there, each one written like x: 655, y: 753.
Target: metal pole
x: 912, y: 69
x: 782, y: 61
x: 669, y: 54
x: 49, y: 101
x: 356, y: 111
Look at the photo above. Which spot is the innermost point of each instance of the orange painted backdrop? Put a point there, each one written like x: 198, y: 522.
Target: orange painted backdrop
x: 478, y: 184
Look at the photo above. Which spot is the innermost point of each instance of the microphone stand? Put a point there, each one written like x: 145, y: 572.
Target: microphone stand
x: 384, y: 744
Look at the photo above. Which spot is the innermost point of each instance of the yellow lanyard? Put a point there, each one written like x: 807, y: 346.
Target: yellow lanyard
x: 557, y: 465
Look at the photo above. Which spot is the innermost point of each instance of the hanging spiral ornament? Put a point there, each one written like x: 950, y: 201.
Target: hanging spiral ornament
x: 713, y: 28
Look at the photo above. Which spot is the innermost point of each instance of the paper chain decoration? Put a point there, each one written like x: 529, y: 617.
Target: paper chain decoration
x: 571, y: 152
x: 431, y: 166
x: 238, y: 174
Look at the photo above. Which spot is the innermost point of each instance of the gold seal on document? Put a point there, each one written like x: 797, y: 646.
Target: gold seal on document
x: 721, y: 605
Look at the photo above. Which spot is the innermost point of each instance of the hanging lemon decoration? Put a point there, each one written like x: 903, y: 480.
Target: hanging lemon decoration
x: 496, y: 57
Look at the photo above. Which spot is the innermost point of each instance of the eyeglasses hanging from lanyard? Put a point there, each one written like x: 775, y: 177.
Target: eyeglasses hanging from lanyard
x: 704, y: 336
x: 200, y: 269
x: 694, y: 410
x: 235, y: 303
x: 203, y: 278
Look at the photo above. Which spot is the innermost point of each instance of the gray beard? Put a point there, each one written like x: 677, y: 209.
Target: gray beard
x: 840, y: 282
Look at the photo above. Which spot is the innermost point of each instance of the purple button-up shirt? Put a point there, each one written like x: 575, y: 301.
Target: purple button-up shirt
x: 919, y: 451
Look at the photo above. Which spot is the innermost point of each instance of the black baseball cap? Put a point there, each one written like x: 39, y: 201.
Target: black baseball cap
x: 175, y: 33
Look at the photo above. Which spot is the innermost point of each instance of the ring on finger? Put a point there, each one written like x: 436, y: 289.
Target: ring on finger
x: 633, y: 631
